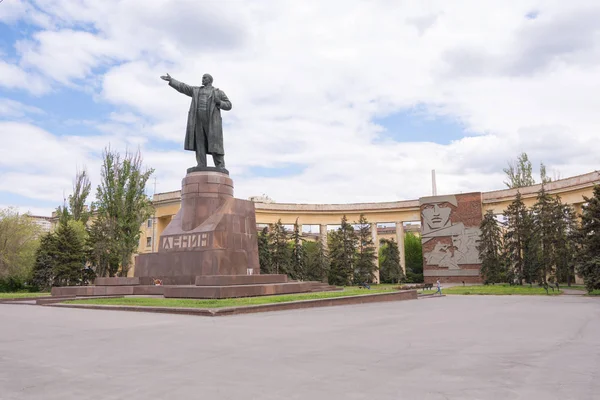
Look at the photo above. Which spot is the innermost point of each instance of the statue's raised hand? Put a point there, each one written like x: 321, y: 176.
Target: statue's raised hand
x: 166, y: 77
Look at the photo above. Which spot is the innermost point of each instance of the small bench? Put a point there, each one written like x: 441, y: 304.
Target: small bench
x: 428, y: 286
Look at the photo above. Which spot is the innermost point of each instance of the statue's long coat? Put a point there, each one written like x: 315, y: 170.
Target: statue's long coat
x: 215, y: 127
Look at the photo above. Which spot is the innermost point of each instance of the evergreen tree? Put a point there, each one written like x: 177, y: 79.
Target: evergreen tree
x: 264, y: 252
x: 122, y: 205
x: 545, y: 231
x: 517, y: 239
x: 589, y: 256
x: 298, y: 261
x: 317, y: 262
x: 490, y: 250
x: 390, y: 270
x: 45, y: 262
x: 413, y: 257
x: 280, y: 251
x: 567, y: 242
x: 69, y: 256
x: 519, y: 174
x: 366, y: 256
x: 342, y: 257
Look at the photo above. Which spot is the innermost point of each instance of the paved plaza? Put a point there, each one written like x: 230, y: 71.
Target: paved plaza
x: 455, y: 347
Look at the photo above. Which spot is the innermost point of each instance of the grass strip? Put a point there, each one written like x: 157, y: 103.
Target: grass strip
x: 499, y: 290
x: 22, y: 295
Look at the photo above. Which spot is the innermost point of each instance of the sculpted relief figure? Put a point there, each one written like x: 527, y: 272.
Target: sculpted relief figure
x: 204, y: 133
x: 437, y: 224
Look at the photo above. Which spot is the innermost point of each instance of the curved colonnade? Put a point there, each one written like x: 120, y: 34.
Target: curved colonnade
x: 397, y: 213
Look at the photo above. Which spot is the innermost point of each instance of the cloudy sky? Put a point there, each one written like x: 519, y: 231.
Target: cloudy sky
x: 335, y: 101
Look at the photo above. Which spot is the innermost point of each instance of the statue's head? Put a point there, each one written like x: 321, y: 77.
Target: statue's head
x: 207, y: 79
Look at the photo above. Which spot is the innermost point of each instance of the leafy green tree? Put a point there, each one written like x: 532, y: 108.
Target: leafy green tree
x: 19, y: 239
x: 366, y: 256
x: 390, y: 270
x: 81, y: 191
x: 589, y: 256
x: 298, y: 254
x: 490, y: 249
x: 122, y: 206
x: 543, y: 175
x: 519, y: 174
x: 76, y: 208
x: 342, y: 254
x: 264, y: 252
x: 280, y: 251
x: 413, y: 257
x: 317, y: 261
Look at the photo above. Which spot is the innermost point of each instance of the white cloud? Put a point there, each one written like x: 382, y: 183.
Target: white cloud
x: 307, y: 78
x: 15, y: 77
x: 15, y: 109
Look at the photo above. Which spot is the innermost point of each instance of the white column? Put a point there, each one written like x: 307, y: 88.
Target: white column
x: 376, y: 242
x: 323, y: 235
x: 400, y: 240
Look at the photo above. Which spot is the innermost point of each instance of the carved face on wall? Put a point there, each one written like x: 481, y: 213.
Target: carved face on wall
x: 436, y: 215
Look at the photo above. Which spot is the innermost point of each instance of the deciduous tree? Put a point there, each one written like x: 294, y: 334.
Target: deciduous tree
x: 519, y: 174
x: 18, y: 243
x: 413, y: 257
x: 122, y: 206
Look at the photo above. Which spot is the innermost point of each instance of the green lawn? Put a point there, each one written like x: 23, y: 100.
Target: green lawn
x: 498, y: 290
x: 246, y: 301
x: 594, y: 293
x: 19, y: 295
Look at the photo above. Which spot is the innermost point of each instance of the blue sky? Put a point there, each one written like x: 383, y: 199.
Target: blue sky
x: 416, y: 125
x: 341, y: 110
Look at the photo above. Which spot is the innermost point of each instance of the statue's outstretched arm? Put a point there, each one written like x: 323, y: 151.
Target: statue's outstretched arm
x: 179, y: 86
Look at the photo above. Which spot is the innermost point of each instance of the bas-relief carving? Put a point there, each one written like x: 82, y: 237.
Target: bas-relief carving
x: 435, y: 214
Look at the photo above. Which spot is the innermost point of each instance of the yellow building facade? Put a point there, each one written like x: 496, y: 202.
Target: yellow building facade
x: 388, y: 219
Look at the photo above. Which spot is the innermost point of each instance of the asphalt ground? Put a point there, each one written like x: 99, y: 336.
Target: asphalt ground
x: 452, y: 347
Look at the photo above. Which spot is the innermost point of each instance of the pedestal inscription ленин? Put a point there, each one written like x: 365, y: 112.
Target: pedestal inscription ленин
x: 212, y: 234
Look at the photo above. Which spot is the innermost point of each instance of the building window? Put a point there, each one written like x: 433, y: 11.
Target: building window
x: 148, y: 241
x: 149, y: 222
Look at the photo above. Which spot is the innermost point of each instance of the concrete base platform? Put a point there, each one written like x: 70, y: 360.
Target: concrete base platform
x: 229, y: 280
x: 225, y: 292
x: 107, y: 290
x: 207, y: 287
